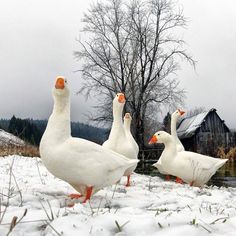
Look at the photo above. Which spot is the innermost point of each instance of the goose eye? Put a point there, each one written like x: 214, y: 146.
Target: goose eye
x: 65, y: 80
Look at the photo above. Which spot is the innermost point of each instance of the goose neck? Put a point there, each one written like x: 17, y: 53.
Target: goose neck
x: 173, y: 126
x: 117, y: 114
x: 127, y: 126
x: 59, y: 121
x: 170, y: 150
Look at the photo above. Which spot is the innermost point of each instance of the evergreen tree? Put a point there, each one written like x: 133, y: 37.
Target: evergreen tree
x: 25, y: 129
x: 167, y: 122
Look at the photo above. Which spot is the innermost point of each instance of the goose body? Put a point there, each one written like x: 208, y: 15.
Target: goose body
x: 193, y: 168
x: 174, y: 117
x: 129, y: 136
x: 85, y: 165
x: 119, y: 141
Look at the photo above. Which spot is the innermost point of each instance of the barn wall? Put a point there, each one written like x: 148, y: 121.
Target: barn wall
x: 189, y: 144
x: 212, y: 134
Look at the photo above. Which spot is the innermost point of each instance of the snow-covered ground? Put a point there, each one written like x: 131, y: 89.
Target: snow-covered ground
x: 149, y: 207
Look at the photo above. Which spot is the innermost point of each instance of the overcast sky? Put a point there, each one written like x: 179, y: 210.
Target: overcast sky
x: 37, y: 40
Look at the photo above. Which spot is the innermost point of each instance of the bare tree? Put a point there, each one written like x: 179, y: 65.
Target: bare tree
x: 133, y: 47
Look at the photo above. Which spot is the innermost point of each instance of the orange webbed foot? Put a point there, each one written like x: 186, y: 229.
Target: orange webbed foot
x: 178, y: 180
x: 75, y: 196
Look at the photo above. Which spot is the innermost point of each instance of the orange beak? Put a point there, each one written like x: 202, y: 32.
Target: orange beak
x: 153, y: 139
x: 127, y: 115
x: 121, y: 98
x: 60, y: 83
x: 181, y: 112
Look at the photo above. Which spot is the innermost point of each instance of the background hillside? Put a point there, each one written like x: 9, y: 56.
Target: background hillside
x: 31, y: 130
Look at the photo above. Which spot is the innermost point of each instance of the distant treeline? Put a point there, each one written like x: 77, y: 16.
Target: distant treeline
x: 31, y: 130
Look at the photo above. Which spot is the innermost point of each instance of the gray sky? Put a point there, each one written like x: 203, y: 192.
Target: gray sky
x: 37, y: 39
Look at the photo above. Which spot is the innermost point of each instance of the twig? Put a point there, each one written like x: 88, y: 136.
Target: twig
x: 52, y: 217
x: 12, y: 225
x: 205, y: 228
x: 99, y: 205
x: 160, y: 225
x: 27, y: 221
x: 114, y: 191
x: 91, y: 207
x: 39, y: 172
x: 120, y: 227
x: 222, y: 218
x: 19, y: 191
x: 48, y: 223
x: 9, y: 189
x: 14, y: 222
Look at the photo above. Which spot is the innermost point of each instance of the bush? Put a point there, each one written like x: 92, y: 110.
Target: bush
x: 222, y: 153
x: 231, y: 155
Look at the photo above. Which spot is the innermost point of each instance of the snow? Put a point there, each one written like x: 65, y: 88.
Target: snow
x: 9, y: 139
x: 151, y: 206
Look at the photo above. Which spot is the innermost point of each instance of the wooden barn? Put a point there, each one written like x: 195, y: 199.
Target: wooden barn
x: 205, y: 132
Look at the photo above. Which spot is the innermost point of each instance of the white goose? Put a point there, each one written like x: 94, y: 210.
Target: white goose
x: 85, y: 165
x: 117, y: 140
x: 174, y: 117
x: 192, y: 168
x: 131, y: 140
x: 127, y: 125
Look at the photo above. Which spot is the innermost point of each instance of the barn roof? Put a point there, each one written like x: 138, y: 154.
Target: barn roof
x: 189, y: 125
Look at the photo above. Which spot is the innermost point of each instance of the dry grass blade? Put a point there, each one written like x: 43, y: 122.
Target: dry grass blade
x: 48, y: 216
x: 160, y: 225
x: 222, y: 218
x: 14, y: 222
x: 9, y: 191
x: 53, y: 229
x: 120, y: 227
x: 12, y: 225
x: 113, y: 194
x: 17, y: 186
x: 205, y: 228
x: 37, y: 164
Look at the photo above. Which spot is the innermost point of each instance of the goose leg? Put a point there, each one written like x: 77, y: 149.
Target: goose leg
x: 167, y: 178
x: 178, y: 180
x: 128, y: 181
x: 89, y: 191
x: 75, y: 196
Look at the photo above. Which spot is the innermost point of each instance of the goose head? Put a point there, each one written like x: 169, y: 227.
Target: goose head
x: 160, y: 137
x: 119, y: 102
x: 178, y: 113
x: 127, y: 120
x: 61, y: 89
